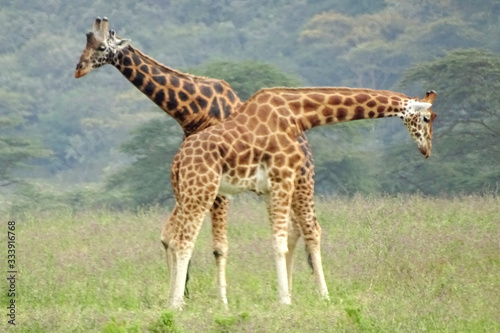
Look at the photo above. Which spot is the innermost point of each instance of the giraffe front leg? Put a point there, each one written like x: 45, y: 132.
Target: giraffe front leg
x: 220, y: 245
x: 167, y: 235
x: 279, y: 213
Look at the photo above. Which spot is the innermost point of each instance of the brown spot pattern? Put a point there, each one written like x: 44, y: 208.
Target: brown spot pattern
x: 361, y: 98
x: 335, y: 100
x: 382, y: 99
x: 341, y: 114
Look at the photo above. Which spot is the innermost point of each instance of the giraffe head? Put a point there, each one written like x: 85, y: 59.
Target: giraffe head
x: 418, y: 118
x: 102, y: 46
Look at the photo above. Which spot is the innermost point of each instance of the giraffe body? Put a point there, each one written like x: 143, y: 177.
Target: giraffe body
x: 194, y: 102
x: 257, y: 149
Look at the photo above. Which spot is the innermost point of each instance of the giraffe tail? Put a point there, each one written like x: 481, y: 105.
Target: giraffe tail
x: 174, y: 178
x: 186, y: 291
x: 309, y: 259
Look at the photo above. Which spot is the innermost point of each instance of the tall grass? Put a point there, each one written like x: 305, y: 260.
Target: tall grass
x: 404, y: 264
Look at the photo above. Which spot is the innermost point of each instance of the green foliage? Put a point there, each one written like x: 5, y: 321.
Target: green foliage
x: 373, y: 49
x: 247, y: 77
x: 229, y: 323
x: 146, y: 180
x: 165, y: 324
x: 43, y: 198
x: 15, y: 151
x: 341, y: 165
x: 407, y: 262
x: 115, y: 327
x: 78, y: 125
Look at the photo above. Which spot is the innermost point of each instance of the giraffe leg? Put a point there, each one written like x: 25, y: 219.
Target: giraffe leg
x: 220, y: 245
x: 293, y: 237
x: 182, y: 258
x: 303, y: 207
x: 279, y: 213
x: 182, y: 245
x: 304, y: 183
x: 319, y: 275
x: 167, y: 235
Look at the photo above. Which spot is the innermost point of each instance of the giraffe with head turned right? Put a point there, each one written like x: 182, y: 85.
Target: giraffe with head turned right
x: 257, y: 150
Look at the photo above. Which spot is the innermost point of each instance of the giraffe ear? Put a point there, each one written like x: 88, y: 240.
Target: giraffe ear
x: 421, y: 106
x: 123, y: 42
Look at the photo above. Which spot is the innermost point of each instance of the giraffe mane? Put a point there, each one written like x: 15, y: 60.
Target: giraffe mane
x: 331, y: 90
x: 154, y: 62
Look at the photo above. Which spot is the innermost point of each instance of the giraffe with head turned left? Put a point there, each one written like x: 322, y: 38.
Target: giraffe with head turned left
x: 257, y: 150
x: 194, y: 102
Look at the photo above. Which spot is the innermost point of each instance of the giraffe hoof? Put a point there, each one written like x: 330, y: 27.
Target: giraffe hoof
x: 177, y: 303
x: 286, y: 301
x: 177, y: 306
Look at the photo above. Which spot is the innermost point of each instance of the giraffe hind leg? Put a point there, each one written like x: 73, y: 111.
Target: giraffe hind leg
x: 190, y: 212
x: 293, y: 237
x: 178, y: 253
x: 279, y: 214
x: 218, y: 213
x: 186, y: 290
x: 303, y: 207
x: 313, y: 245
x: 182, y: 249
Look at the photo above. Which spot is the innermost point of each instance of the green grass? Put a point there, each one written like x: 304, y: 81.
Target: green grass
x: 405, y: 264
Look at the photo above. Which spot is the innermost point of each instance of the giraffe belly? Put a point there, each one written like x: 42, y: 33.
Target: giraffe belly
x: 257, y: 182
x: 228, y: 187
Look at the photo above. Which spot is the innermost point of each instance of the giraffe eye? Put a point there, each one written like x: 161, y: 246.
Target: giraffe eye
x: 426, y: 119
x: 101, y: 48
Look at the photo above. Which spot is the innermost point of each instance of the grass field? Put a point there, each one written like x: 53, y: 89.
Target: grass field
x: 405, y: 264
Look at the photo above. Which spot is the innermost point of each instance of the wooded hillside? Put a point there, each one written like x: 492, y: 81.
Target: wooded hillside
x: 99, y: 139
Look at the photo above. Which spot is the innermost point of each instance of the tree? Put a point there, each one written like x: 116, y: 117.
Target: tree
x: 321, y: 42
x: 14, y: 150
x: 147, y: 180
x: 247, y: 77
x: 467, y: 135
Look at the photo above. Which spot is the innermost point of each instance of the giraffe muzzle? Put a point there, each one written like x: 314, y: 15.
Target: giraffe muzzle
x: 426, y: 151
x: 79, y: 72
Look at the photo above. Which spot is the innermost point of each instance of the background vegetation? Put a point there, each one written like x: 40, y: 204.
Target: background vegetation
x: 98, y: 140
x: 393, y: 264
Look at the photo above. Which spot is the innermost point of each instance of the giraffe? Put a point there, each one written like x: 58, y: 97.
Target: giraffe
x: 257, y: 150
x: 194, y: 102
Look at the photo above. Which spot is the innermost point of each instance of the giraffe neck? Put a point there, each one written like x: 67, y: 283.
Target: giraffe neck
x: 320, y: 106
x: 194, y: 102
